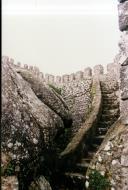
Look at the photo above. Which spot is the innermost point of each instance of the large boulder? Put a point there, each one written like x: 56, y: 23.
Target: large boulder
x: 28, y: 127
x: 40, y: 184
x: 47, y: 95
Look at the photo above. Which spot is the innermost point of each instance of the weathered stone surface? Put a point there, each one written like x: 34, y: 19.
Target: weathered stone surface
x: 9, y: 183
x: 78, y: 145
x: 71, y: 77
x: 78, y: 97
x: 51, y: 79
x: 123, y: 44
x: 47, y: 78
x: 58, y: 79
x: 40, y: 184
x: 123, y: 15
x: 98, y: 70
x: 121, y: 1
x: 114, y: 155
x: 78, y: 75
x: 124, y: 82
x: 87, y: 72
x: 48, y: 96
x: 110, y: 84
x: 28, y: 126
x: 124, y: 111
x: 65, y: 78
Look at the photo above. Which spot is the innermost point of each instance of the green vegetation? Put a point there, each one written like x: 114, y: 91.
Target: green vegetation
x: 93, y: 91
x: 98, y: 181
x: 10, y: 169
x: 56, y: 89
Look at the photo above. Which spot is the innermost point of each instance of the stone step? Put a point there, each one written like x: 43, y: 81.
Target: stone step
x: 107, y: 117
x: 98, y: 139
x: 111, y: 111
x: 102, y: 131
x: 75, y: 175
x: 109, y: 101
x: 106, y: 91
x: 107, y: 88
x: 108, y: 96
x: 94, y: 147
x: 107, y: 105
x: 104, y: 124
x: 90, y: 154
x: 88, y: 160
x: 81, y: 167
x: 74, y: 181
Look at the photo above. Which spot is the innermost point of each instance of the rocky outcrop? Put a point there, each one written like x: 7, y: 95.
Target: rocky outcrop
x: 9, y: 183
x: 40, y: 184
x: 48, y: 96
x: 28, y: 126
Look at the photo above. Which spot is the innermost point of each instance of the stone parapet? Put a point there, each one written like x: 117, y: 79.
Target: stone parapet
x: 51, y: 79
x: 65, y: 78
x: 79, y: 75
x: 71, y: 77
x: 25, y: 66
x: 58, y: 79
x: 87, y: 73
x: 98, y: 70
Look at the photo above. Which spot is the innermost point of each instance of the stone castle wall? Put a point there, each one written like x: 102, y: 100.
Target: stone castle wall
x: 76, y: 88
x: 98, y: 70
x: 123, y: 57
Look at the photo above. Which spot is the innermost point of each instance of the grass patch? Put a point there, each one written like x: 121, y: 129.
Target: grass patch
x: 98, y: 181
x: 56, y: 89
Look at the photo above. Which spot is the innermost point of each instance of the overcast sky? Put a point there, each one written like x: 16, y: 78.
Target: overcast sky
x: 60, y: 36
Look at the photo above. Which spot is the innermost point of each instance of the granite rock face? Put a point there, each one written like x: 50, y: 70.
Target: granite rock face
x: 40, y: 184
x: 48, y: 96
x: 10, y: 183
x: 28, y: 126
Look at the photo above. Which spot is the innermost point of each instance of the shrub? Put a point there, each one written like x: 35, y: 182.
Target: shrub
x: 10, y: 170
x: 98, y: 181
x: 56, y: 89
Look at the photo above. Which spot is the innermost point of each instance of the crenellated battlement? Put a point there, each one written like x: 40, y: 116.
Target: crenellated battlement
x: 98, y: 70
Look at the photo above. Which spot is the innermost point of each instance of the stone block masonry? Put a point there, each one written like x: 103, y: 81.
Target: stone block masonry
x: 123, y: 15
x: 75, y: 88
x: 59, y: 81
x: 123, y: 61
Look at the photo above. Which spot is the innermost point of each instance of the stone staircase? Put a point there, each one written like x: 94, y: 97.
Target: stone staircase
x: 74, y: 178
